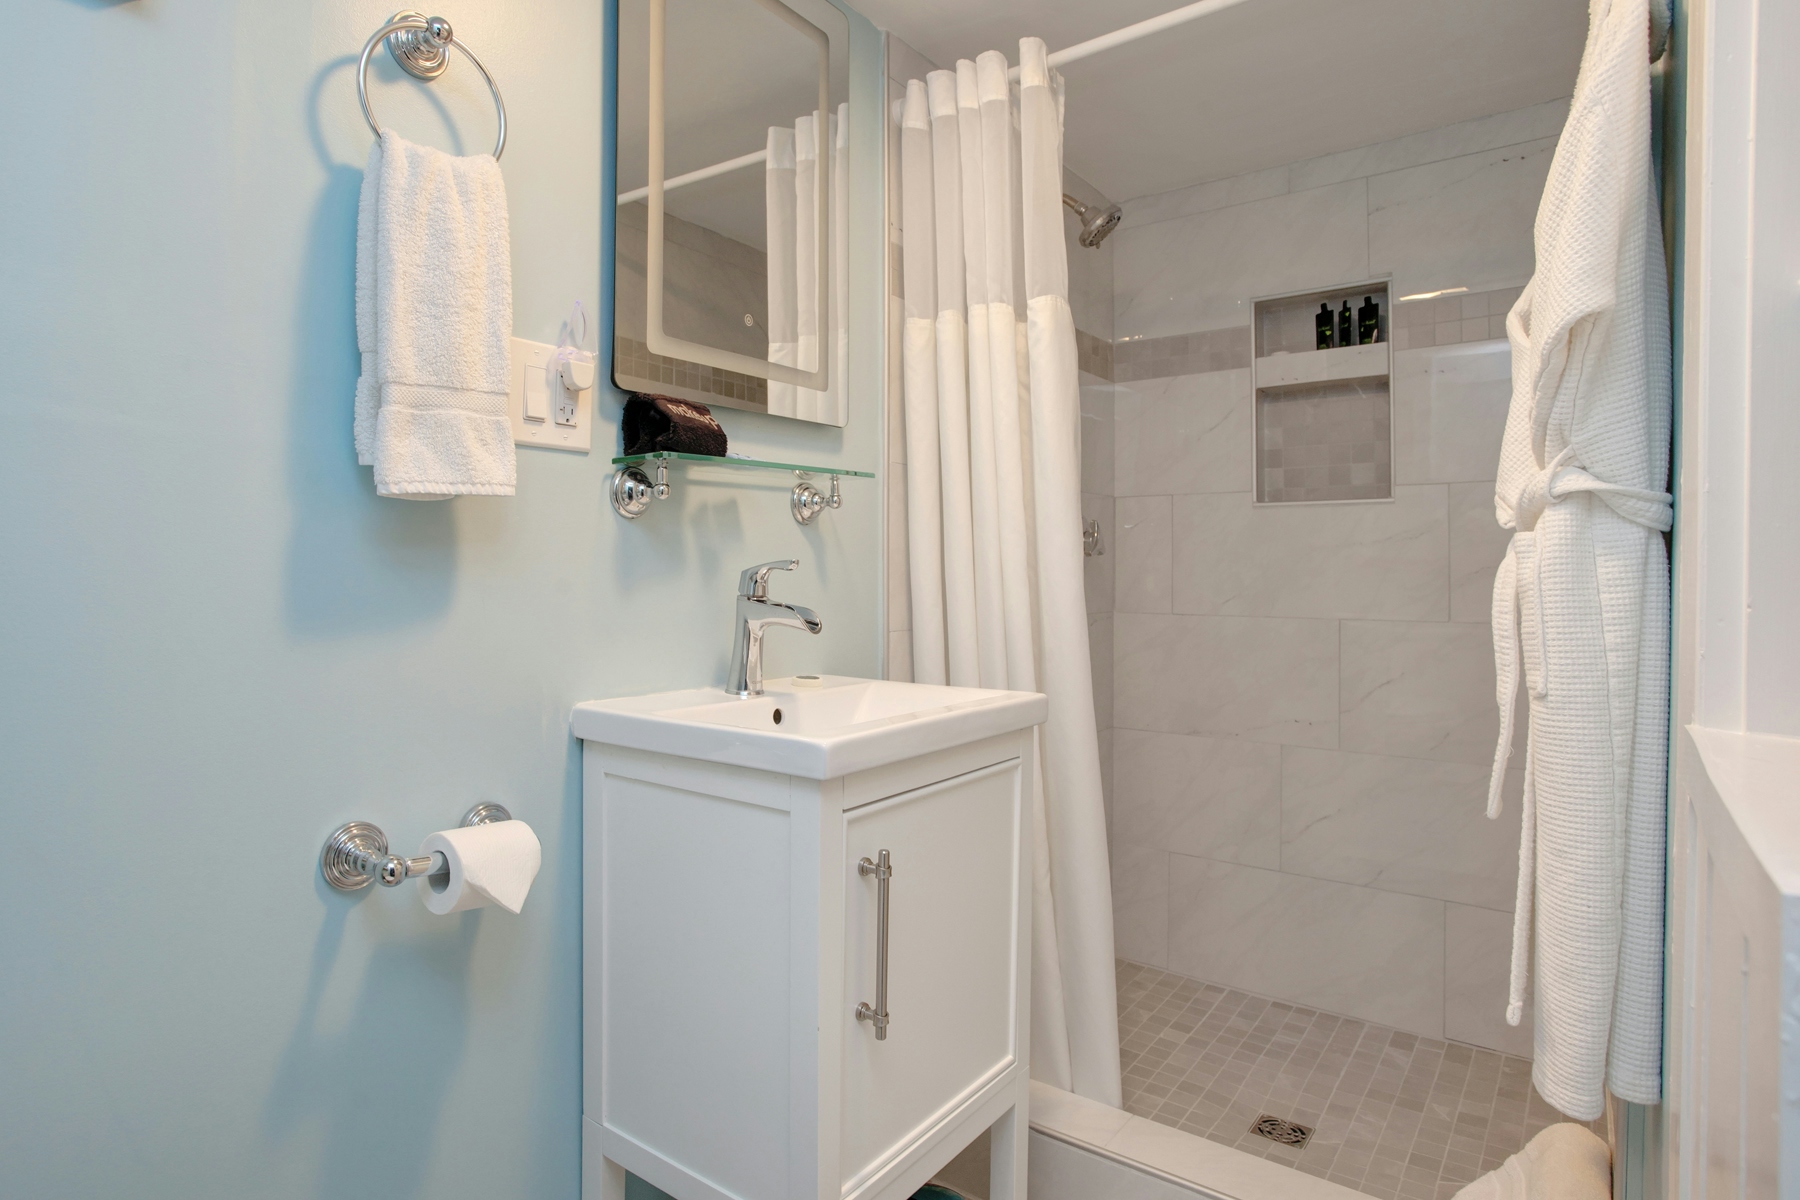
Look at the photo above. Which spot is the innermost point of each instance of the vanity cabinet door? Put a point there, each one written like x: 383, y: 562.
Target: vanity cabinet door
x: 952, y: 958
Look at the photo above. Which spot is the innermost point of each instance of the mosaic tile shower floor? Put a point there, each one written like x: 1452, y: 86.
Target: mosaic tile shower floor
x: 1394, y: 1115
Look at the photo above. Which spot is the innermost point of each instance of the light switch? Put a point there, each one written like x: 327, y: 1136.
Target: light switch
x: 537, y: 394
x: 542, y: 412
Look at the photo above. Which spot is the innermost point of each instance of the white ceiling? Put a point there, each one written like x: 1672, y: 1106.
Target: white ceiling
x: 1263, y: 83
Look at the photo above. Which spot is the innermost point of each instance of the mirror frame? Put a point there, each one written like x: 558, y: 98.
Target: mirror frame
x: 659, y: 341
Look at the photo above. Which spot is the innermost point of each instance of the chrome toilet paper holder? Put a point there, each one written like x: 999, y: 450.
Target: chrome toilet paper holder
x: 356, y: 853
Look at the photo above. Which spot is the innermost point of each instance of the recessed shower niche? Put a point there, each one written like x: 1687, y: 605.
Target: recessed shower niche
x: 1323, y: 410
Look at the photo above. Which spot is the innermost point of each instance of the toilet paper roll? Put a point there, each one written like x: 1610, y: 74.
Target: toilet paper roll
x: 492, y: 863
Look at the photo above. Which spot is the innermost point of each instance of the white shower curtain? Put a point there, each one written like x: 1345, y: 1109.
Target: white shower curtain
x: 992, y: 407
x: 797, y: 329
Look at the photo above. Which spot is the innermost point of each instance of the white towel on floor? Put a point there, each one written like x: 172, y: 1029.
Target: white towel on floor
x: 1581, y: 601
x: 1563, y: 1162
x: 434, y: 324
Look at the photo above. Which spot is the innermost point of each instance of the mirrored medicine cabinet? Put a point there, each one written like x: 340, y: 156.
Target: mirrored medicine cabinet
x: 731, y: 281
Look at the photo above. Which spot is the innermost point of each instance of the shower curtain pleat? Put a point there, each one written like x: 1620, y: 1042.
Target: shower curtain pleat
x: 963, y: 657
x: 1000, y: 201
x: 1000, y: 524
x: 798, y: 331
x: 833, y: 407
x: 984, y: 488
x: 918, y: 366
x: 806, y: 259
x: 778, y: 213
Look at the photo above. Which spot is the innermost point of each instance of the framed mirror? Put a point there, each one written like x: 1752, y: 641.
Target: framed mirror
x: 730, y: 279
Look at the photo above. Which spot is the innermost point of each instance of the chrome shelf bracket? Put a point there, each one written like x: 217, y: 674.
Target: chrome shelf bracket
x: 632, y: 491
x: 808, y: 501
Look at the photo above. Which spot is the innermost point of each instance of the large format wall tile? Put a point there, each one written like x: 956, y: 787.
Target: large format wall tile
x: 1142, y: 579
x: 1198, y: 272
x: 1477, y: 544
x: 1433, y: 145
x: 1460, y: 222
x: 1183, y: 433
x: 1419, y: 690
x: 1265, y: 678
x: 1384, y: 561
x: 1351, y: 950
x: 1098, y: 569
x: 1100, y: 651
x: 1203, y: 197
x: 1140, y: 886
x: 1449, y: 412
x: 1203, y: 796
x: 1477, y: 965
x: 1398, y: 824
x: 899, y: 577
x: 1097, y: 437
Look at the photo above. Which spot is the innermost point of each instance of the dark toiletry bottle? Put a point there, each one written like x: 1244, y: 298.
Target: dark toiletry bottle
x: 1368, y: 322
x: 1323, y: 325
x: 1346, y: 327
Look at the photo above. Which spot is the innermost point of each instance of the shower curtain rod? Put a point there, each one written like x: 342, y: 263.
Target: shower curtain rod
x: 1081, y: 50
x: 724, y: 168
x: 1132, y: 33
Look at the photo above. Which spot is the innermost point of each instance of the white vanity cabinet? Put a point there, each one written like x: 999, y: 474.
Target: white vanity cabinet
x: 732, y: 928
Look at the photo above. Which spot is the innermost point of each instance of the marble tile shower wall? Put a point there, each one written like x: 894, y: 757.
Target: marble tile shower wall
x: 1302, y: 713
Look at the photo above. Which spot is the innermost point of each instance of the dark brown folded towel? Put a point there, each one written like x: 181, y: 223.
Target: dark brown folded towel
x: 655, y: 423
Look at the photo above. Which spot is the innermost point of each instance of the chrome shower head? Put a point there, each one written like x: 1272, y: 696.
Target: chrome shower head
x: 1096, y: 222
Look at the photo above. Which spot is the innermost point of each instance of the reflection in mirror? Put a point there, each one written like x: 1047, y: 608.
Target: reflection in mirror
x: 744, y: 282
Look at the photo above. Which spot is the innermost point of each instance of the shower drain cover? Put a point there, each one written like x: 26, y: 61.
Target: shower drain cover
x: 1278, y: 1130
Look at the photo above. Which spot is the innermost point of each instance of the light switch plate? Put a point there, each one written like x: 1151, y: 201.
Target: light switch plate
x: 531, y: 377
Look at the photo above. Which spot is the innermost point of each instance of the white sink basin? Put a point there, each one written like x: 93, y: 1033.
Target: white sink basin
x: 839, y: 726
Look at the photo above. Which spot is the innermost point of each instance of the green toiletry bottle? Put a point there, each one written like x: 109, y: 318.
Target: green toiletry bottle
x: 1346, y: 327
x: 1323, y: 325
x: 1368, y: 322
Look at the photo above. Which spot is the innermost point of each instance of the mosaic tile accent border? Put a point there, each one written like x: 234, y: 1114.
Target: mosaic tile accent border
x: 1452, y: 320
x: 634, y: 359
x: 1330, y: 442
x: 1394, y: 1115
x: 1181, y: 354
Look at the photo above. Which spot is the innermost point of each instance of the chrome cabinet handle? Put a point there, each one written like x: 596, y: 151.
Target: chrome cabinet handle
x: 882, y: 868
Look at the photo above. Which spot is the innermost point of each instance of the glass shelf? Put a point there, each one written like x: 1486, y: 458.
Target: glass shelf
x: 665, y: 456
x: 632, y: 490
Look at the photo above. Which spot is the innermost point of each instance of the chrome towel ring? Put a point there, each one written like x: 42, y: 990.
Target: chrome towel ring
x: 421, y: 45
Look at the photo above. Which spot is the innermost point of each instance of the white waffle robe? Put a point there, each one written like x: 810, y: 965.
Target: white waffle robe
x: 1581, y: 601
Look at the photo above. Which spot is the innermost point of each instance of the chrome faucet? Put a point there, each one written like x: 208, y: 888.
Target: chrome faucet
x: 755, y: 613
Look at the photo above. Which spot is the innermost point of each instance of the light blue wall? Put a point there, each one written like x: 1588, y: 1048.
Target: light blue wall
x: 216, y: 644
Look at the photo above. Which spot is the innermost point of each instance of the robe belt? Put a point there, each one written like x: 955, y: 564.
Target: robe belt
x: 1564, y: 477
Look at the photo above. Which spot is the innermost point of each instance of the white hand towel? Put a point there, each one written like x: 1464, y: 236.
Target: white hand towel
x: 434, y: 324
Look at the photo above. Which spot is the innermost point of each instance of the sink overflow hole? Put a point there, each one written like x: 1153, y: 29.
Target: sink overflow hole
x: 1278, y: 1130
x: 778, y: 716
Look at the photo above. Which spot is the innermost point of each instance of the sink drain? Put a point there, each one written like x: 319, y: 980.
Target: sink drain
x: 1278, y: 1130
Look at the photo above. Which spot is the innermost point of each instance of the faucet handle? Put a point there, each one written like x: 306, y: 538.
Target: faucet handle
x: 753, y: 584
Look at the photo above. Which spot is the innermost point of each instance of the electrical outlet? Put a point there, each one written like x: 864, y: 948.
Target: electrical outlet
x: 542, y: 411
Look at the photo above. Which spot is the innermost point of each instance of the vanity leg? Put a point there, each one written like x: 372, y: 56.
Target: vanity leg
x: 1010, y: 1143
x: 601, y: 1177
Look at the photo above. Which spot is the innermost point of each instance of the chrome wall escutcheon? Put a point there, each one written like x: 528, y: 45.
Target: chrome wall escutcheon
x: 421, y: 53
x: 882, y: 868
x: 631, y: 493
x: 808, y: 501
x: 356, y: 853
